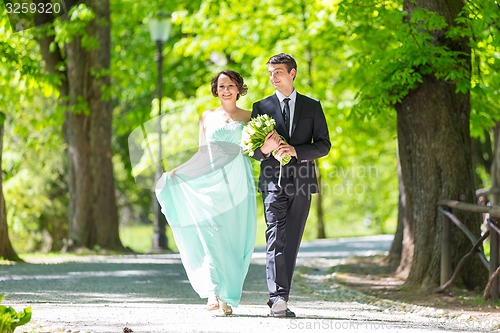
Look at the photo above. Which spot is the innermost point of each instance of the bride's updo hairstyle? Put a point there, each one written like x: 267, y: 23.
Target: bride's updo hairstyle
x: 235, y: 77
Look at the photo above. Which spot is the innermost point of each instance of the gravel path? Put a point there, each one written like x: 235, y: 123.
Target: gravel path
x: 150, y: 293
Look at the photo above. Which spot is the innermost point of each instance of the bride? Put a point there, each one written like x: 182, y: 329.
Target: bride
x: 209, y: 201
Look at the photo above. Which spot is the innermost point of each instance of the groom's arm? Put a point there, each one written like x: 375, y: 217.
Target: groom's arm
x: 320, y: 145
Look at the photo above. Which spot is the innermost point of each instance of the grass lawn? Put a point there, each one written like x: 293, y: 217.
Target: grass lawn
x: 139, y: 237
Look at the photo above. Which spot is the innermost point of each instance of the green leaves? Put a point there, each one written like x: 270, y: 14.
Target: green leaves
x: 393, y: 50
x: 10, y: 319
x: 67, y: 30
x: 427, y: 20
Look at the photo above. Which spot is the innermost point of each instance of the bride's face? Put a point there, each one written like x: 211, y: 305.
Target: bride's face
x: 227, y: 90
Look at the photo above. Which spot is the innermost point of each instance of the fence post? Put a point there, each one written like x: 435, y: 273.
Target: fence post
x: 494, y: 262
x: 446, y: 251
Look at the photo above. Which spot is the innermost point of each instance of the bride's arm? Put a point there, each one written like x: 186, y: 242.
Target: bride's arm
x: 202, y: 140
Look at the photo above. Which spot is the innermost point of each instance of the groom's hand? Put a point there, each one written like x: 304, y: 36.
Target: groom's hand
x: 271, y: 142
x: 284, y: 149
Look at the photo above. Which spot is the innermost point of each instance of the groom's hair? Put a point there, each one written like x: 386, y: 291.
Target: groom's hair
x: 284, y: 59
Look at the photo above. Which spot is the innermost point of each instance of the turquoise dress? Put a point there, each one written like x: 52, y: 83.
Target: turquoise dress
x: 209, y: 203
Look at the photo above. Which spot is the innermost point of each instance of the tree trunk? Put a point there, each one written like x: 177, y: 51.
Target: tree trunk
x: 101, y: 108
x: 321, y: 234
x: 76, y: 133
x: 494, y: 282
x: 6, y: 249
x: 435, y: 156
x: 495, y: 166
x: 93, y: 217
x: 402, y: 245
x: 434, y: 146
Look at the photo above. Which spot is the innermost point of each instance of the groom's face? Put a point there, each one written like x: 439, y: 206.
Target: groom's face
x: 281, y: 79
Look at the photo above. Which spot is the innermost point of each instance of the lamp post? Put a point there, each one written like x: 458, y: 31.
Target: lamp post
x: 159, y: 28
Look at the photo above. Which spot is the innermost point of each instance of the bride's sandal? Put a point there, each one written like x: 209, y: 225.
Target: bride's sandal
x: 224, y: 308
x: 213, y: 303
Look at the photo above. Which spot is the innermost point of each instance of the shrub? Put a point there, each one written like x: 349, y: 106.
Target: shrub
x: 10, y: 318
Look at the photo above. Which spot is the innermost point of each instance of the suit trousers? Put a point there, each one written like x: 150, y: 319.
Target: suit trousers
x: 286, y: 212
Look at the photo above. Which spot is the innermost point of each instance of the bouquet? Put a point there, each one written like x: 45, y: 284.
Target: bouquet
x: 254, y: 133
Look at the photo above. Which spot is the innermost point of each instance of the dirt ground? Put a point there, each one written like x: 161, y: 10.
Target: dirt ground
x: 373, y: 276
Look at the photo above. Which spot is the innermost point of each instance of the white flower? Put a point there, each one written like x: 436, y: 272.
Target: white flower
x: 254, y: 133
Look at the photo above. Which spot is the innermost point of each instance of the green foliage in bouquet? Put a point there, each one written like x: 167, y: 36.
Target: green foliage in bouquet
x: 254, y: 134
x: 10, y: 319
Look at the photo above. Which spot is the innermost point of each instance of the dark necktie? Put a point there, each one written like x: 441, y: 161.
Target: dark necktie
x: 286, y: 114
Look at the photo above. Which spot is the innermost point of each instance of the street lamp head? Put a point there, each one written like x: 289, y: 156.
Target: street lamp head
x: 159, y: 26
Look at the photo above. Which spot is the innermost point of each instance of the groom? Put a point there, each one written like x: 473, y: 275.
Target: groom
x: 287, y: 198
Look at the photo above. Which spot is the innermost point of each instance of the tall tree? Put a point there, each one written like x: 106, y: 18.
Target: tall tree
x: 81, y: 56
x: 417, y: 60
x: 435, y: 154
x: 6, y: 249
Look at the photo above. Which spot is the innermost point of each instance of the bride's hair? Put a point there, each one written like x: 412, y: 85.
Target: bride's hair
x: 235, y: 77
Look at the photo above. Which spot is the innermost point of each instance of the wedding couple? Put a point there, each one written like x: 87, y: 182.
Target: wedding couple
x: 209, y: 201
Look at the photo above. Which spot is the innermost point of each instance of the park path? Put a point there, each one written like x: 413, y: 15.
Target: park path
x: 150, y: 293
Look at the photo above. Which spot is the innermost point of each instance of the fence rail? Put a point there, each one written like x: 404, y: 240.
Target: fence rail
x: 493, y: 265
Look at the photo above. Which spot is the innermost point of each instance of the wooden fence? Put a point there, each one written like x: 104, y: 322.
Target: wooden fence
x: 493, y: 232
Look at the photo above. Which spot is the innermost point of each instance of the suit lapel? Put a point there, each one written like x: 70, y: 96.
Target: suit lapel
x: 296, y: 115
x: 274, y: 110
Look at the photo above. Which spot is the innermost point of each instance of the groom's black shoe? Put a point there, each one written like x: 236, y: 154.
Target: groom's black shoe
x: 289, y: 313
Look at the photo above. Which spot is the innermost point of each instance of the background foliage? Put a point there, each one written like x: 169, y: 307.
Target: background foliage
x: 356, y: 57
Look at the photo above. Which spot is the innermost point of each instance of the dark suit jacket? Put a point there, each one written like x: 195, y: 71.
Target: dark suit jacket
x: 310, y: 138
